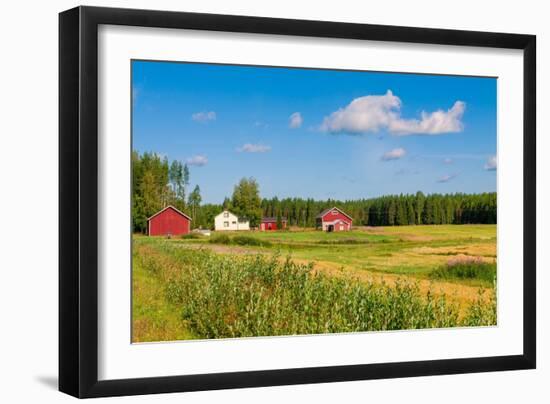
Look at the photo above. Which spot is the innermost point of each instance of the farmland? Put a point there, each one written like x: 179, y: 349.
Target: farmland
x: 304, y: 281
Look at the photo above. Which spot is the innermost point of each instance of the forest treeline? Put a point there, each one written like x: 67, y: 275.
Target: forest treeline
x: 393, y: 210
x: 156, y: 183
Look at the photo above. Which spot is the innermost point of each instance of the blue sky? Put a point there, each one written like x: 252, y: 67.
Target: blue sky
x: 317, y: 133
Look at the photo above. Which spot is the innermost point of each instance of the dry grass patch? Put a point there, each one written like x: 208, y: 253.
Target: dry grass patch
x: 487, y: 251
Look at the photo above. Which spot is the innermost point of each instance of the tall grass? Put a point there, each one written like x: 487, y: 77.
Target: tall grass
x: 226, y: 296
x: 192, y: 236
x: 467, y: 268
x: 240, y: 240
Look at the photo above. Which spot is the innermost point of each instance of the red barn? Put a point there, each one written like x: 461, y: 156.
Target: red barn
x: 168, y: 222
x: 270, y: 223
x: 334, y: 219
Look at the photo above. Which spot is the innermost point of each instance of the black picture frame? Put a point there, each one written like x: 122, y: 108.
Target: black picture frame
x: 78, y: 201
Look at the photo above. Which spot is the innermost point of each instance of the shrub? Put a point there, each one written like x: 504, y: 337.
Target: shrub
x: 247, y: 240
x: 220, y: 239
x: 191, y: 236
x: 344, y: 241
x: 473, y: 268
x: 240, y: 240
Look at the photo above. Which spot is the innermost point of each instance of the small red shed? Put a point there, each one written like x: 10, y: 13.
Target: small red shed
x: 334, y: 219
x: 168, y: 222
x: 270, y: 223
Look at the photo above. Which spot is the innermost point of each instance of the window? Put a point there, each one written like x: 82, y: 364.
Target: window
x: 233, y: 222
x: 226, y: 214
x: 334, y: 212
x: 225, y: 224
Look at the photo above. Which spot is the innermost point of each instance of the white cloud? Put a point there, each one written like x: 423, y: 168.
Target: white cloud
x: 491, y: 164
x: 448, y: 161
x: 394, y: 154
x: 434, y: 123
x: 446, y: 178
x: 198, y: 160
x: 364, y: 114
x: 254, y: 148
x: 204, y: 116
x: 295, y: 120
x: 372, y: 113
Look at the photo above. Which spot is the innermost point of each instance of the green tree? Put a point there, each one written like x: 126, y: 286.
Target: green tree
x: 279, y: 221
x: 151, y: 197
x: 401, y: 215
x: 226, y: 205
x: 246, y: 201
x: 419, y: 206
x: 391, y: 212
x: 194, y: 202
x: 175, y: 176
x: 411, y: 214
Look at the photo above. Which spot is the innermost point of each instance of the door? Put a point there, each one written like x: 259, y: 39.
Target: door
x: 330, y: 228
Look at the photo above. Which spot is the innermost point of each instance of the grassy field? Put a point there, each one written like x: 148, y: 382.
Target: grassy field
x: 413, y: 269
x: 406, y: 250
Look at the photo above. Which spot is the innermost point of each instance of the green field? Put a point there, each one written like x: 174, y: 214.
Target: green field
x: 402, y: 267
x: 407, y: 250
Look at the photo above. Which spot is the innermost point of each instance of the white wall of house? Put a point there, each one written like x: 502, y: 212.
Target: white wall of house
x: 227, y: 221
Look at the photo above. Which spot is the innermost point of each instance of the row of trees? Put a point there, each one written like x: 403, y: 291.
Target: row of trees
x: 392, y: 210
x: 157, y: 183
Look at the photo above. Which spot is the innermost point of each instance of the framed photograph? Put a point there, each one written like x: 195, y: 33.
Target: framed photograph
x: 251, y: 201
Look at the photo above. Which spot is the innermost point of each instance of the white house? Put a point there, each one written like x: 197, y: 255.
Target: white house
x: 229, y: 221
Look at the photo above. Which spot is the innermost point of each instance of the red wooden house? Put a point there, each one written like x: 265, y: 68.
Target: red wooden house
x: 270, y: 223
x: 334, y: 219
x: 168, y: 222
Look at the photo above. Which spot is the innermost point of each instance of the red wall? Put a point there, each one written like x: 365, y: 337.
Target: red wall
x: 329, y: 217
x: 346, y: 227
x: 168, y: 222
x: 264, y: 225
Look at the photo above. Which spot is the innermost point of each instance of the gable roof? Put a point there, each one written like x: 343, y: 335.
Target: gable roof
x: 324, y: 212
x: 240, y: 219
x: 169, y: 207
x: 225, y: 210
